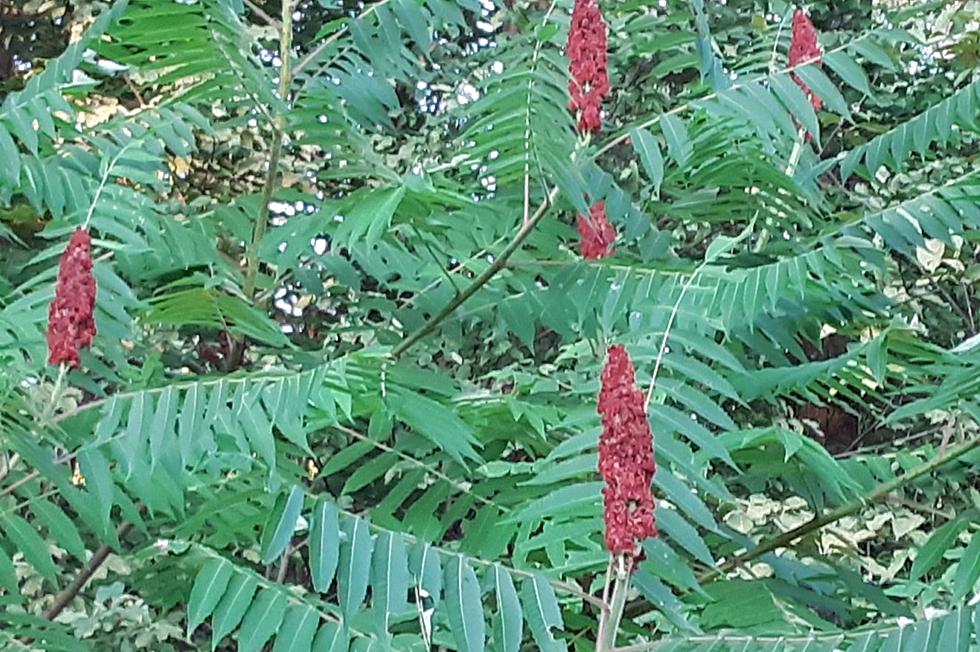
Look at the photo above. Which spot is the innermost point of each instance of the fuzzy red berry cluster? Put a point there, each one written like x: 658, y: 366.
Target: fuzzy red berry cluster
x: 596, y: 233
x: 625, y: 457
x: 803, y: 48
x: 71, y: 320
x: 588, y: 64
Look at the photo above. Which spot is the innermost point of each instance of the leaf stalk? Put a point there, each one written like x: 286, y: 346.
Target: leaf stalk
x: 272, y: 174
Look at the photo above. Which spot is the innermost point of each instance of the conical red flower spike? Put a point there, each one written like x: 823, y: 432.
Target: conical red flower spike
x: 596, y: 233
x: 589, y: 84
x: 804, y: 48
x: 71, y: 321
x: 626, y: 459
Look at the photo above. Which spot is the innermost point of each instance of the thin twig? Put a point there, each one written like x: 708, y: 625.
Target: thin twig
x: 881, y: 492
x: 20, y: 644
x: 284, y: 564
x: 919, y: 507
x: 969, y: 308
x: 461, y: 265
x: 484, y: 278
x: 17, y: 485
x: 608, y: 583
x: 258, y: 11
x: 851, y: 507
x: 135, y: 91
x: 323, y: 67
x: 943, y: 291
x: 28, y: 502
x: 68, y: 594
x: 838, y: 128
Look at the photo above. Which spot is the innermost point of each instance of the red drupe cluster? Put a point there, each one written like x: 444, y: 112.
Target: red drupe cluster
x: 71, y: 321
x: 804, y: 47
x: 588, y: 61
x: 625, y: 457
x: 596, y: 233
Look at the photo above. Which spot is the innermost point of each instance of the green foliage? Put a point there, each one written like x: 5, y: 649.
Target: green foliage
x: 384, y: 435
x: 952, y: 630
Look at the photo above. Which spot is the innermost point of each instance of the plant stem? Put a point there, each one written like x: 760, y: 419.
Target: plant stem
x: 794, y: 159
x: 880, y: 492
x: 666, y: 338
x: 609, y: 620
x: 498, y: 264
x: 794, y: 156
x: 284, y: 564
x: 68, y: 594
x: 59, y: 384
x: 272, y: 174
x: 257, y: 10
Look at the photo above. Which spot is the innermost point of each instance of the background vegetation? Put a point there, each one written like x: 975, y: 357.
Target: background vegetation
x: 344, y: 380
